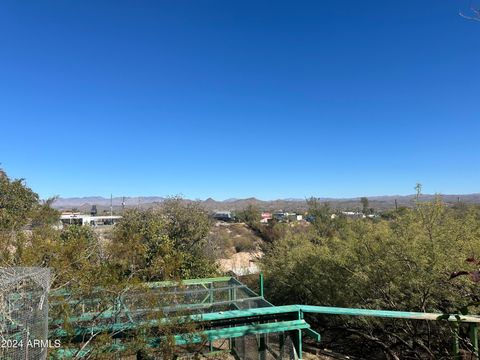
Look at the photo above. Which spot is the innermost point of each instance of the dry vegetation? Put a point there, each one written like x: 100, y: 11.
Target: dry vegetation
x: 233, y: 238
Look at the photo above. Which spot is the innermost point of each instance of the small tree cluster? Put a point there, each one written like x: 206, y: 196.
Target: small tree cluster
x: 92, y: 274
x: 399, y: 264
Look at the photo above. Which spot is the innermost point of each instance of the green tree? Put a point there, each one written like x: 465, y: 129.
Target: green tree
x: 45, y: 214
x: 325, y: 223
x: 17, y: 203
x: 418, y: 191
x: 19, y: 206
x: 364, y: 202
x: 166, y: 243
x: 187, y: 223
x: 251, y: 215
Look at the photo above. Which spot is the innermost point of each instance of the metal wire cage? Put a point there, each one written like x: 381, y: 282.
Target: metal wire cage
x: 24, y: 313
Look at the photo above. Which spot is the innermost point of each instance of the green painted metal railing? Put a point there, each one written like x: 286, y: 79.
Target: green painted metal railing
x: 262, y: 320
x: 207, y: 335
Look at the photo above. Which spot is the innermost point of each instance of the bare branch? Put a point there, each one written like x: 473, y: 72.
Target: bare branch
x: 476, y: 17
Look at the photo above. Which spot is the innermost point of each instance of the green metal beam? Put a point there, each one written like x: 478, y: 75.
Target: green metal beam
x: 207, y: 335
x: 255, y: 312
x: 298, y: 339
x: 473, y: 332
x: 188, y: 282
x: 158, y: 284
x: 313, y: 334
x: 108, y: 314
x: 124, y: 326
x: 333, y: 311
x: 258, y: 312
x: 238, y: 331
x: 386, y: 313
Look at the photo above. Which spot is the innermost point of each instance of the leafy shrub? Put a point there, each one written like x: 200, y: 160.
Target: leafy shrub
x: 244, y: 244
x: 401, y: 264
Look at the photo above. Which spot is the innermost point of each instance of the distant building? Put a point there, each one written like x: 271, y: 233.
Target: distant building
x: 292, y: 217
x: 279, y: 215
x: 82, y: 219
x: 353, y: 214
x: 223, y: 216
x: 266, y: 217
x: 286, y: 216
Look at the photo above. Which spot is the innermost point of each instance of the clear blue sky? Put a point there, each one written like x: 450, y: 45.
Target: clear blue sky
x: 240, y: 98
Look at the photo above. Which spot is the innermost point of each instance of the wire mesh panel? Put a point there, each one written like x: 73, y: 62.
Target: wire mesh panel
x: 246, y: 347
x: 156, y: 310
x: 273, y: 346
x: 143, y: 303
x: 24, y: 313
x: 279, y: 346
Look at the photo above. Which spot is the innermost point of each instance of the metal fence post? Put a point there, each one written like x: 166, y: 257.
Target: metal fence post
x: 473, y: 331
x: 456, y: 343
x: 262, y: 347
x: 260, y: 283
x: 298, y: 337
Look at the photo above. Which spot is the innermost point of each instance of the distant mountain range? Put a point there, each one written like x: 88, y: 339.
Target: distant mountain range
x: 62, y: 203
x: 376, y: 202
